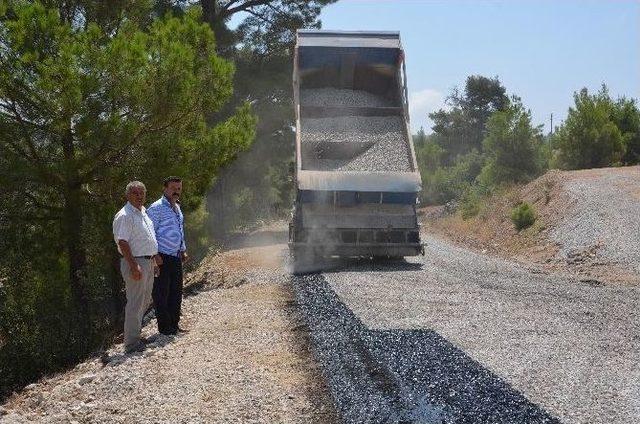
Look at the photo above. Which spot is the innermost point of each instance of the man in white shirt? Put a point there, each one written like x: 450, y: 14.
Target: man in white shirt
x: 136, y: 240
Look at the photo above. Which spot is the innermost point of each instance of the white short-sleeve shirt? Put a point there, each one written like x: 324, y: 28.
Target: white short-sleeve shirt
x: 135, y: 227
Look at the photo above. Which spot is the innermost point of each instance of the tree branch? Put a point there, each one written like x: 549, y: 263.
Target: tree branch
x: 244, y: 7
x: 39, y: 204
x: 259, y: 16
x: 34, y: 158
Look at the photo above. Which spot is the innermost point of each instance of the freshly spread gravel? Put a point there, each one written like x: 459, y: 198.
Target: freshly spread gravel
x: 459, y: 337
x: 381, y: 137
x: 603, y: 217
x: 245, y: 360
x: 327, y: 97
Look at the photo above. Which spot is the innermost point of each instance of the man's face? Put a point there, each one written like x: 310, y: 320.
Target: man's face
x: 136, y: 196
x: 173, y: 190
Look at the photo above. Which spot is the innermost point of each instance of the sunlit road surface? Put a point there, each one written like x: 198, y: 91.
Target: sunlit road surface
x: 455, y: 336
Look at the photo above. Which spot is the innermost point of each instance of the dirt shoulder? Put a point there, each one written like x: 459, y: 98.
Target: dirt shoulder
x: 586, y: 224
x: 246, y: 359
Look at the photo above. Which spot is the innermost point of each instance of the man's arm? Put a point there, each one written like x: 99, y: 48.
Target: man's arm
x: 153, y: 214
x: 183, y: 246
x: 121, y: 233
x: 136, y: 271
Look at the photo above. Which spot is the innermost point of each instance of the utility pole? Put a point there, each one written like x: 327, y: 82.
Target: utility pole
x: 551, y: 132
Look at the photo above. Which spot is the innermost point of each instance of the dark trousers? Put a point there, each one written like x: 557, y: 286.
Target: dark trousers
x: 167, y: 294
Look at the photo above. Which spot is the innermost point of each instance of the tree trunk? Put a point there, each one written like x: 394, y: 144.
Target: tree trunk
x: 212, y: 14
x: 73, y: 230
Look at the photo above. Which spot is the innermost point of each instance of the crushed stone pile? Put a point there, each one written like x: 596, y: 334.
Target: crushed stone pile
x: 384, y: 147
x: 332, y: 97
x: 603, y: 216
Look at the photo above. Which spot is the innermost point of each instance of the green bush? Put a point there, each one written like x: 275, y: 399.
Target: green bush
x: 470, y: 203
x: 512, y: 147
x: 589, y: 137
x: 452, y: 182
x: 523, y: 216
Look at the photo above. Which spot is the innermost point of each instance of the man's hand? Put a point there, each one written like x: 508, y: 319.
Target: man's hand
x: 136, y: 271
x: 184, y: 256
x: 158, y: 259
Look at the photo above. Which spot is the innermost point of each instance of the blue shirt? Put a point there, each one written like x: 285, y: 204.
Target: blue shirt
x: 169, y: 225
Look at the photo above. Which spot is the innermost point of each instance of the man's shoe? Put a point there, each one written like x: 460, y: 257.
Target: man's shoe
x: 138, y: 347
x: 181, y: 330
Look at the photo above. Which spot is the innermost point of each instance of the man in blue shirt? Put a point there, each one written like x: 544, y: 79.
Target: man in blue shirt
x: 168, y: 223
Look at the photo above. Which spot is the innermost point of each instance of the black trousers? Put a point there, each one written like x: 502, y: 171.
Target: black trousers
x: 167, y: 294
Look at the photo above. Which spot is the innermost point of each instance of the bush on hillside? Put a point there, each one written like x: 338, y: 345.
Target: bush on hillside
x: 523, y: 216
x: 512, y: 147
x: 589, y: 137
x: 451, y: 182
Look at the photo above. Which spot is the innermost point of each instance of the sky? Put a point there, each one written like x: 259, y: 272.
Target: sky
x: 542, y: 51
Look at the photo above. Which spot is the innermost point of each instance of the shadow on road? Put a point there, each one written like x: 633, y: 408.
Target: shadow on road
x: 403, y: 375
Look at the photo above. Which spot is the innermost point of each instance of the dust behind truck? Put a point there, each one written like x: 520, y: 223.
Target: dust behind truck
x: 356, y: 174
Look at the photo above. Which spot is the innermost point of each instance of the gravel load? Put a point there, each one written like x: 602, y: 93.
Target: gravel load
x: 328, y: 97
x: 384, y: 147
x: 465, y: 338
x: 603, y: 217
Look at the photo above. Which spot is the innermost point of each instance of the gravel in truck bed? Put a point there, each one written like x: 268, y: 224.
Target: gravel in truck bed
x: 382, y: 136
x: 328, y: 97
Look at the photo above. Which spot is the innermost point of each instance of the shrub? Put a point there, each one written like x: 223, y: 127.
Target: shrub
x: 523, y: 216
x: 452, y: 182
x: 512, y: 146
x: 589, y: 137
x: 470, y: 203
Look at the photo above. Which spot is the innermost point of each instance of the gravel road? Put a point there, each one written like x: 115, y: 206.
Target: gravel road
x: 451, y: 337
x: 603, y: 216
x: 458, y: 337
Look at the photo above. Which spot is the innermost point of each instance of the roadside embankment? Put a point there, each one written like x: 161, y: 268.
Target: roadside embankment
x: 586, y: 223
x: 246, y: 358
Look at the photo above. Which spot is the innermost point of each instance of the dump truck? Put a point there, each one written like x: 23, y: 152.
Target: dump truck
x: 356, y: 177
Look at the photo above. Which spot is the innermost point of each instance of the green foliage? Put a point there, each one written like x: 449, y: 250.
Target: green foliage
x: 444, y: 184
x: 523, y: 216
x: 512, y: 147
x: 259, y: 185
x: 92, y: 97
x: 471, y: 203
x: 428, y: 153
x: 589, y: 138
x: 460, y: 129
x: 626, y: 116
x: 420, y: 139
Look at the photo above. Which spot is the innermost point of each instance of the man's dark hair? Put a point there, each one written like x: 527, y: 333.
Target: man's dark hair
x: 171, y: 180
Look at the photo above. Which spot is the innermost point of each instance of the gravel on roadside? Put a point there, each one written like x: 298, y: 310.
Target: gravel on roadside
x: 245, y: 359
x: 602, y: 220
